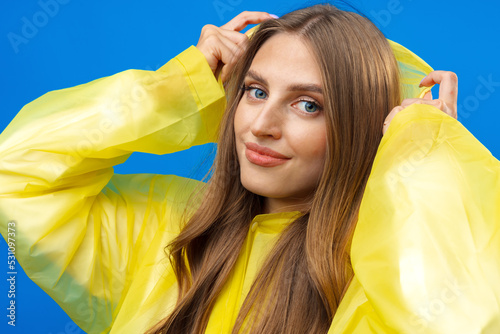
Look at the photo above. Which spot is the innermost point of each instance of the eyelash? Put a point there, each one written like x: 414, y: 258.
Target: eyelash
x: 246, y: 88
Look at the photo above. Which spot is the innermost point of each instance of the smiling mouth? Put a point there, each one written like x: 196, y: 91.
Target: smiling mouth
x: 263, y: 156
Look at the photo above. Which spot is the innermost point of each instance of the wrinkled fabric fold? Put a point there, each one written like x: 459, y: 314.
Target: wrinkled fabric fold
x: 426, y: 248
x: 83, y: 233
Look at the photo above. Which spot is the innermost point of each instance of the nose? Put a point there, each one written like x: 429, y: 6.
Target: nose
x: 268, y: 121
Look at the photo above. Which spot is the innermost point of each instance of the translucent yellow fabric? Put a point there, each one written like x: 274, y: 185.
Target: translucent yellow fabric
x: 412, y: 70
x: 425, y: 251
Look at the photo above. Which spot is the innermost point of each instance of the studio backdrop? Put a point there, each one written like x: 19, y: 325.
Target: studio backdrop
x: 53, y: 44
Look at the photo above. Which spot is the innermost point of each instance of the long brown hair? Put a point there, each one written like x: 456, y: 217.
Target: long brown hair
x: 308, y: 269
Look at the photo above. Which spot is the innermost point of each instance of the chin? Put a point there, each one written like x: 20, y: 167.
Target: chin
x: 268, y: 188
x: 260, y: 186
x: 255, y: 187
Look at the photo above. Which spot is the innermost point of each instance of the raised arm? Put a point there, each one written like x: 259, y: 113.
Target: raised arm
x: 425, y: 251
x: 79, y: 229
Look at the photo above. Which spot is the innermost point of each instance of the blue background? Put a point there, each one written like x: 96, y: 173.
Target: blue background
x: 75, y: 41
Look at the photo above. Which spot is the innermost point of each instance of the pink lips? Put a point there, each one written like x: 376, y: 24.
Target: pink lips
x: 263, y: 156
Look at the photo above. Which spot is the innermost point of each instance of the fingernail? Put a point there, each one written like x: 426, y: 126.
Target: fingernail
x: 274, y: 16
x: 420, y: 85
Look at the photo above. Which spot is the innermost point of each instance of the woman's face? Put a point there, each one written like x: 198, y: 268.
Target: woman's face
x: 280, y: 125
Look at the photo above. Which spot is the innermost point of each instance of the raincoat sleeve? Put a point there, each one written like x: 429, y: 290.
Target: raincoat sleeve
x: 80, y: 231
x: 426, y: 249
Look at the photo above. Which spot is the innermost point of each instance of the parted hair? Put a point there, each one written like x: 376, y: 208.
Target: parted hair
x: 301, y: 283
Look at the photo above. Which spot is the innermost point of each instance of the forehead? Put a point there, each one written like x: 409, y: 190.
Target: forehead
x: 287, y: 58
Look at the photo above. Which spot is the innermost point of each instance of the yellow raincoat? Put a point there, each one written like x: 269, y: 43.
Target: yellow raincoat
x: 425, y: 252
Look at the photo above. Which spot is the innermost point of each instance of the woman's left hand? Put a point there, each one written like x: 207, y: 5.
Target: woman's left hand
x: 447, y: 101
x: 223, y: 46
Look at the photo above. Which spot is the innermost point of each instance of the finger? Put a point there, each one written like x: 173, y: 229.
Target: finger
x: 234, y: 36
x: 209, y: 37
x: 389, y: 118
x: 428, y: 96
x: 230, y: 61
x: 406, y: 102
x: 441, y: 105
x: 448, y: 86
x: 228, y: 51
x: 226, y: 68
x: 229, y: 55
x: 438, y: 103
x: 243, y: 19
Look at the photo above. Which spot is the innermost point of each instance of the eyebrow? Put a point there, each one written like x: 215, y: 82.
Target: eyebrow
x: 295, y: 87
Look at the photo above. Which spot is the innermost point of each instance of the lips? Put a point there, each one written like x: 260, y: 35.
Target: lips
x: 263, y: 156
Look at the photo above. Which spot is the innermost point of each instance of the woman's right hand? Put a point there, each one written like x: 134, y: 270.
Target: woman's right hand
x: 226, y: 44
x: 447, y: 101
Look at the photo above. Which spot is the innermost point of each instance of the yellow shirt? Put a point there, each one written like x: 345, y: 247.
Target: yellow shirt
x: 425, y: 251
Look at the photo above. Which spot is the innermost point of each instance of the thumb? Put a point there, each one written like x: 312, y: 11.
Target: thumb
x: 428, y: 96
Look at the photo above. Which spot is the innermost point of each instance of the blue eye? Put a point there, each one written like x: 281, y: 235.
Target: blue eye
x: 307, y: 106
x: 257, y: 93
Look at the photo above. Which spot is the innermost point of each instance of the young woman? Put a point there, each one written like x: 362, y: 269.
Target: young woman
x: 311, y: 222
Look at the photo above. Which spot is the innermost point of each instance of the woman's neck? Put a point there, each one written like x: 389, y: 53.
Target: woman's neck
x: 275, y: 205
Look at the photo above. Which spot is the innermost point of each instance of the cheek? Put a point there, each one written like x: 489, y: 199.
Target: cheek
x: 318, y: 153
x: 240, y: 121
x: 319, y: 143
x: 311, y: 143
x: 316, y: 158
